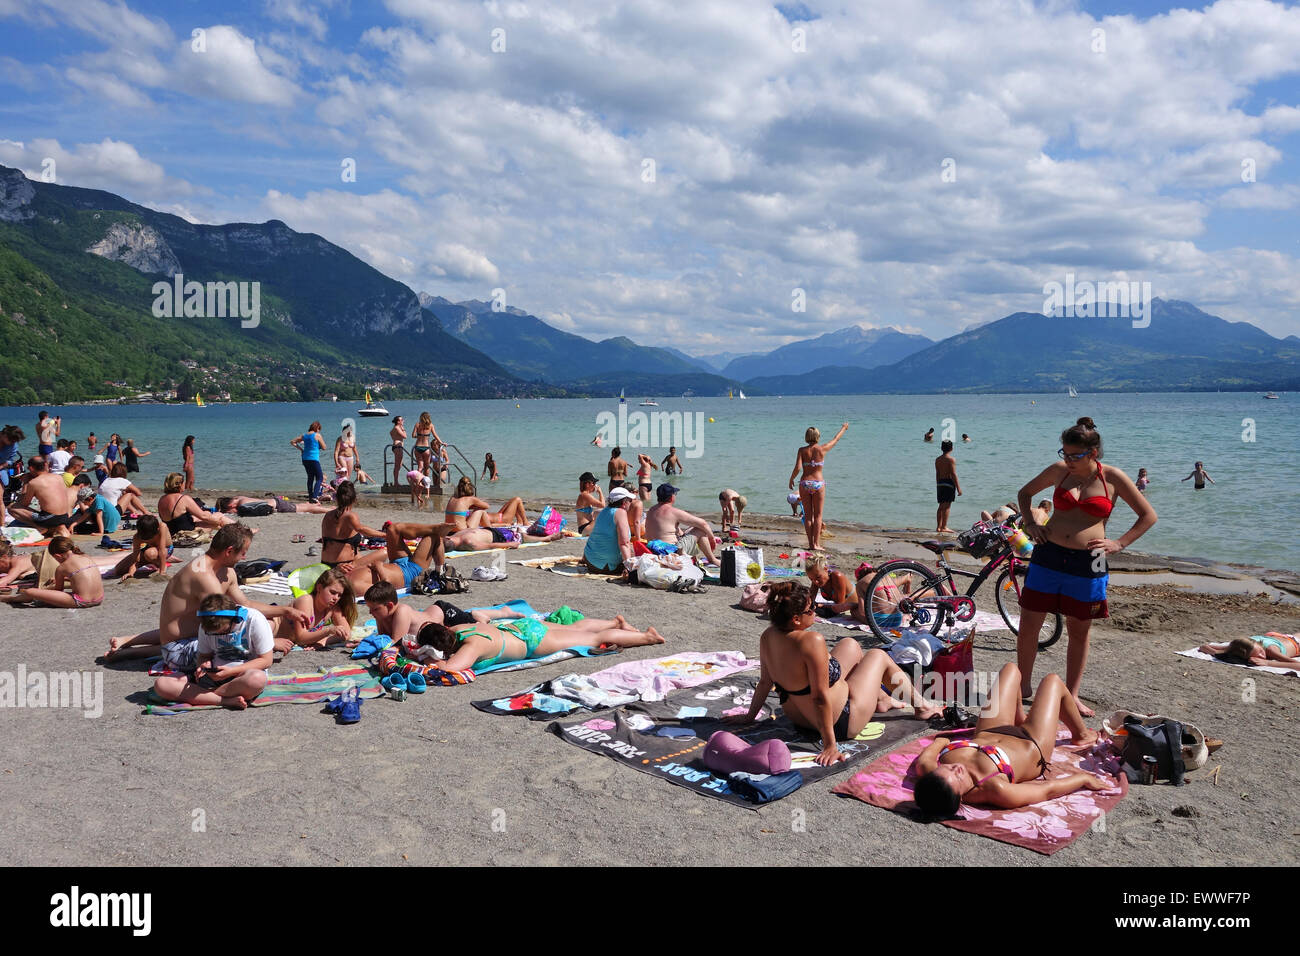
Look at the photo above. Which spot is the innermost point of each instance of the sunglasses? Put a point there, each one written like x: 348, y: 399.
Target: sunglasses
x: 1060, y: 453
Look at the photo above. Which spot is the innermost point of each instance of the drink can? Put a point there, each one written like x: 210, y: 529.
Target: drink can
x: 1149, y: 769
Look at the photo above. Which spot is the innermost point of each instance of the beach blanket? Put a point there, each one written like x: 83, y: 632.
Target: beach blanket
x: 290, y: 689
x: 21, y: 537
x: 1193, y: 652
x: 713, y: 575
x: 278, y: 583
x: 620, y: 684
x: 571, y: 566
x: 666, y: 739
x: 1043, y: 827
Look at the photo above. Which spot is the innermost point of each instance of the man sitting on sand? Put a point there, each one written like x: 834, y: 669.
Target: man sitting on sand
x: 212, y: 572
x: 233, y: 650
x: 56, y: 500
x: 671, y: 525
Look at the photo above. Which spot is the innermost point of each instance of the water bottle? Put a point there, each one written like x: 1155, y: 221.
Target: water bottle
x: 1020, y: 543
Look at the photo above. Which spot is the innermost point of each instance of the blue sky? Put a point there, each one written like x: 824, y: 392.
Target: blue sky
x: 793, y: 146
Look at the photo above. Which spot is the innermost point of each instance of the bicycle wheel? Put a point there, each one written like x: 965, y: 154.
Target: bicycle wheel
x: 1008, y: 600
x: 891, y: 594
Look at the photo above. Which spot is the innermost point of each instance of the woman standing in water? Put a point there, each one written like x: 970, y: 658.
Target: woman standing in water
x: 397, y: 435
x: 187, y: 466
x: 1067, y: 572
x: 812, y: 485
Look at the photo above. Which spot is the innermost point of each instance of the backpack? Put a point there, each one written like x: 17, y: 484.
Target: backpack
x: 452, y: 582
x: 1161, y: 740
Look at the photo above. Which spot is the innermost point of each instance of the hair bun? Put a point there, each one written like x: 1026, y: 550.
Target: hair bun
x: 1087, y: 422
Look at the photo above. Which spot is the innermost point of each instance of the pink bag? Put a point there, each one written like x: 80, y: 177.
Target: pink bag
x: 548, y: 522
x: 753, y: 598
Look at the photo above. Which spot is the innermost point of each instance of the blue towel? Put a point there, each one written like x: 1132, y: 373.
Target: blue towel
x: 371, y: 646
x: 764, y: 787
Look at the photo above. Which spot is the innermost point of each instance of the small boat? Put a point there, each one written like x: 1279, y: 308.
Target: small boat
x: 649, y: 403
x: 1073, y: 393
x: 622, y: 400
x: 730, y: 394
x: 742, y: 395
x: 372, y: 410
x: 198, y: 400
x: 1272, y: 395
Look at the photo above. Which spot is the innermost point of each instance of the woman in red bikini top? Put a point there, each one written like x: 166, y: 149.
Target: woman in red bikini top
x: 1068, y: 573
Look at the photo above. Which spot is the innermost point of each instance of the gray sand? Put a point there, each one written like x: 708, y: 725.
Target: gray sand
x: 426, y: 780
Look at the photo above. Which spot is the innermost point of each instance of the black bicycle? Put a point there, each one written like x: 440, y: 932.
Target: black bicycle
x: 909, y: 594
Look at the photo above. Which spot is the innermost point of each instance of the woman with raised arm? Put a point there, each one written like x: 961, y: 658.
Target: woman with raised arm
x: 1067, y: 572
x: 812, y: 485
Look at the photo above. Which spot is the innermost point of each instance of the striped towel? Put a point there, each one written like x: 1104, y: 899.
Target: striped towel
x: 290, y: 689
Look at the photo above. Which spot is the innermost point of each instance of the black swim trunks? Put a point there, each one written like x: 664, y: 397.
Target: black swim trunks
x: 452, y: 615
x: 945, y: 490
x: 43, y: 520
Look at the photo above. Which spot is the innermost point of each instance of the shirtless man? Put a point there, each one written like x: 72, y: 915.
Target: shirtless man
x: 617, y: 467
x: 47, y: 432
x: 402, y: 620
x: 946, y: 485
x: 672, y: 465
x: 56, y: 499
x: 212, y: 572
x: 664, y: 520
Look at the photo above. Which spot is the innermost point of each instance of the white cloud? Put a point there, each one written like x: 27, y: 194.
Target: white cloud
x: 229, y: 67
x: 110, y: 164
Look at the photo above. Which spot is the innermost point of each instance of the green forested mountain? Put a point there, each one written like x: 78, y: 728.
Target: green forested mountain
x: 73, y: 320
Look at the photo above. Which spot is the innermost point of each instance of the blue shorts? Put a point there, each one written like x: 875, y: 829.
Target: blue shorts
x: 889, y: 620
x: 410, y: 570
x: 1065, y: 580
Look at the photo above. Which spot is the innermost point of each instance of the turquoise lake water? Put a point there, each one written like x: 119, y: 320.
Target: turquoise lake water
x: 881, y: 473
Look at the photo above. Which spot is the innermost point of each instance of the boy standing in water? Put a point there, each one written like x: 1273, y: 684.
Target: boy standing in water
x: 947, y: 487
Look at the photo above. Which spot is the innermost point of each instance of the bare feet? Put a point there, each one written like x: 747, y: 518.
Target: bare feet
x: 655, y: 636
x: 234, y: 703
x: 621, y: 622
x: 1084, y: 709
x: 887, y: 702
x: 1087, y: 737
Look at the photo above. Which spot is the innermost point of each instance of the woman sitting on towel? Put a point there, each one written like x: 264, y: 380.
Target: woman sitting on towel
x: 833, y: 692
x: 1268, y: 650
x: 999, y: 765
x: 469, y: 646
x: 182, y: 513
x: 332, y: 609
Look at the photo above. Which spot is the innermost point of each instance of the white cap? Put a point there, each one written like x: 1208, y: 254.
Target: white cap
x: 619, y: 494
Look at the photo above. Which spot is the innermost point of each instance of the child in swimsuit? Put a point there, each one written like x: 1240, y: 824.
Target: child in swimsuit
x: 75, y: 570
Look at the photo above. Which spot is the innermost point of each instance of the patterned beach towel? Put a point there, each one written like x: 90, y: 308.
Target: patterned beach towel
x: 666, y: 739
x: 1042, y: 827
x: 290, y: 689
x: 620, y: 684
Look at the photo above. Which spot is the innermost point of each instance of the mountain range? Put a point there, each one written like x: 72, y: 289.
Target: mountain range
x: 77, y: 311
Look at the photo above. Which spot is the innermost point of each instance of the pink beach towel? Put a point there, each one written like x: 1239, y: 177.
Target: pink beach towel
x: 1043, y: 827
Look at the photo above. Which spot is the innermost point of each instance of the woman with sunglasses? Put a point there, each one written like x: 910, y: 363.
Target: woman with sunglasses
x: 833, y: 692
x: 1067, y: 573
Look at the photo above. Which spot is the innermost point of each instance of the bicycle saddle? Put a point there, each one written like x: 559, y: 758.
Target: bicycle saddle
x: 938, y: 547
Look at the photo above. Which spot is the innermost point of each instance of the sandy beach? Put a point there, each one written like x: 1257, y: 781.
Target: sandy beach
x: 424, y: 781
